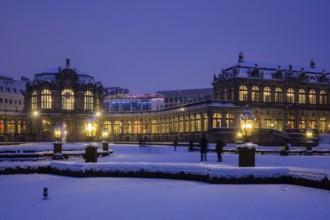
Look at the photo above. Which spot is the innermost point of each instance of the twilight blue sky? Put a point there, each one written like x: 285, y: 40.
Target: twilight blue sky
x: 150, y: 45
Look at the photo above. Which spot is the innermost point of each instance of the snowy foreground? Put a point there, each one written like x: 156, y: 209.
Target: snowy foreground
x: 128, y: 198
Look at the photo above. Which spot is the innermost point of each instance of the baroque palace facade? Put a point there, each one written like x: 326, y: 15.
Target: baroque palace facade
x: 285, y: 101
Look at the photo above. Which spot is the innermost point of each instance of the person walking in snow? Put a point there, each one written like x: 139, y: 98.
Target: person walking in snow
x: 175, y: 144
x: 219, y: 149
x: 203, y: 145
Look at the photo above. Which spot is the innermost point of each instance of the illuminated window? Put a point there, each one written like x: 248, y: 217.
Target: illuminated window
x: 255, y: 94
x: 88, y: 101
x: 107, y: 126
x: 302, y: 96
x: 117, y: 127
x: 10, y: 126
x: 198, y: 123
x: 216, y: 120
x: 34, y: 100
x: 67, y: 99
x: 21, y: 128
x: 137, y: 127
x: 302, y: 122
x: 312, y: 97
x: 127, y: 127
x: 267, y: 94
x: 229, y: 120
x: 154, y: 126
x: 323, y: 97
x: 192, y: 123
x: 2, y: 127
x: 46, y: 99
x: 181, y: 126
x: 267, y: 121
x: 206, y: 124
x: 278, y: 95
x: 322, y: 124
x: 290, y: 95
x: 312, y: 122
x: 243, y: 93
x: 290, y: 123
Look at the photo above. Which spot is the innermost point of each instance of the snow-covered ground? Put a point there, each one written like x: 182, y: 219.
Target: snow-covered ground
x: 127, y: 198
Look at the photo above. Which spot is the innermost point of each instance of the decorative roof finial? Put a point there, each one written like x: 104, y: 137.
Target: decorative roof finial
x: 67, y: 63
x: 240, y: 57
x: 312, y: 64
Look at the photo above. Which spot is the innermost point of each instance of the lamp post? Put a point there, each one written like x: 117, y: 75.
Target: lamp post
x: 35, y: 115
x: 246, y: 151
x: 58, y: 144
x: 91, y: 148
x: 309, y: 142
x: 105, y: 144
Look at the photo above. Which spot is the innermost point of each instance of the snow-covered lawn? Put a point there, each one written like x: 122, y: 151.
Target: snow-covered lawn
x: 127, y: 198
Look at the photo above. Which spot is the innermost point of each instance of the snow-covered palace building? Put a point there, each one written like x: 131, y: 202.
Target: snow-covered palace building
x: 286, y: 100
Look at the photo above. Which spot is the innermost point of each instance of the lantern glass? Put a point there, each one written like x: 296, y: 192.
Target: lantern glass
x: 57, y: 132
x: 309, y: 134
x: 90, y: 127
x: 105, y: 133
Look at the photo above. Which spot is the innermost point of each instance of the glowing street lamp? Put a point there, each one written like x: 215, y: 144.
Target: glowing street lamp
x: 247, y: 123
x: 105, y: 135
x: 57, y: 145
x: 309, y: 134
x: 91, y: 127
x: 246, y: 151
x: 57, y: 132
x: 91, y: 148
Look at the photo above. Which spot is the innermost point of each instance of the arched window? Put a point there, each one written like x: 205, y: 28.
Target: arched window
x: 117, y: 127
x: 46, y: 99
x: 312, y: 122
x: 181, y: 123
x: 34, y: 100
x: 67, y: 99
x: 302, y: 96
x: 267, y: 94
x: 243, y: 93
x: 88, y: 101
x: 206, y: 124
x: 154, y: 126
x: 137, y: 127
x: 107, y: 126
x: 290, y: 95
x: 278, y: 95
x: 21, y: 128
x: 224, y: 94
x: 323, y: 124
x: 312, y: 97
x: 290, y: 123
x: 267, y: 121
x: 229, y: 120
x: 192, y: 123
x: 323, y: 97
x: 216, y: 120
x: 127, y: 127
x: 10, y: 126
x: 302, y: 122
x: 198, y: 123
x: 255, y: 94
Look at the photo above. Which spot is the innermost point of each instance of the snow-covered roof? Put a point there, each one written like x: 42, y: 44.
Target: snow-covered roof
x: 247, y: 69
